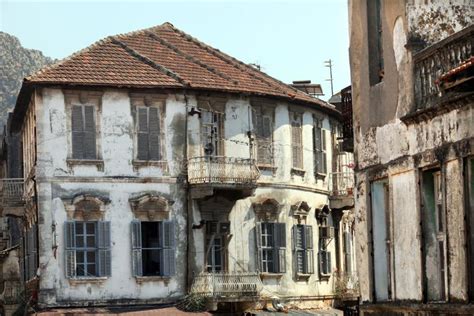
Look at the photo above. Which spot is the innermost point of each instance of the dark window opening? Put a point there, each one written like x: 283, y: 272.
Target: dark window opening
x: 469, y: 185
x: 375, y: 39
x: 151, y: 249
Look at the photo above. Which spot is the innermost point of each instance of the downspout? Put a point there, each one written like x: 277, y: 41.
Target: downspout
x: 189, y: 201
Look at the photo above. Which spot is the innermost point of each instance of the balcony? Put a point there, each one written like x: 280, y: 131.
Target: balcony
x: 227, y: 287
x: 443, y: 74
x: 208, y: 173
x: 341, y: 186
x: 12, y: 198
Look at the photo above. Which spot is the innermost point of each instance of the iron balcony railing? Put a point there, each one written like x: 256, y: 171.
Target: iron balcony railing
x: 11, y: 191
x: 341, y: 183
x: 434, y: 61
x: 227, y: 286
x: 222, y: 170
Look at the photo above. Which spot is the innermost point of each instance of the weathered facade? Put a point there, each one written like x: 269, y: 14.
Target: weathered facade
x: 412, y: 93
x: 156, y: 166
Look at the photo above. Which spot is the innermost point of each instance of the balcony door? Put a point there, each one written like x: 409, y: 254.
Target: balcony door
x: 211, y: 133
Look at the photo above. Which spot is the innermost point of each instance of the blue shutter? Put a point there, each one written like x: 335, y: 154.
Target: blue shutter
x: 70, y: 249
x: 77, y: 129
x: 104, y: 251
x: 258, y: 241
x: 168, y: 253
x: 137, y: 268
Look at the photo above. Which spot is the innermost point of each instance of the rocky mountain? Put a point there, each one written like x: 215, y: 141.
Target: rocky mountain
x: 16, y: 62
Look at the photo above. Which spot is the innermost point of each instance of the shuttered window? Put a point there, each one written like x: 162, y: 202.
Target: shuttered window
x: 83, y: 132
x: 271, y: 247
x: 87, y: 252
x: 297, y: 139
x: 324, y: 257
x: 303, y: 249
x: 153, y: 248
x: 211, y: 132
x: 148, y: 133
x: 319, y: 144
x: 348, y: 251
x: 263, y: 130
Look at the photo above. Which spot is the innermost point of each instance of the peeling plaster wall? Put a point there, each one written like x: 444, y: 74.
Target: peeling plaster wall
x: 435, y: 20
x: 386, y: 147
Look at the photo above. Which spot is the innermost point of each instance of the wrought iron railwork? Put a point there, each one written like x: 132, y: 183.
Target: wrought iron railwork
x: 434, y: 61
x: 341, y: 183
x: 222, y: 170
x: 224, y: 286
x: 12, y: 192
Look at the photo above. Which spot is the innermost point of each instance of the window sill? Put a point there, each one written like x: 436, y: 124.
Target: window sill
x: 320, y: 176
x: 87, y: 162
x: 267, y: 167
x: 150, y: 163
x: 324, y: 277
x: 298, y: 172
x: 158, y: 278
x: 86, y: 280
x: 303, y: 276
x: 269, y: 275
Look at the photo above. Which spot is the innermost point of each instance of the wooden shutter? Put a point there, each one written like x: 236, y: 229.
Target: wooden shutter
x: 323, y: 151
x: 142, y: 133
x: 280, y: 247
x: 77, y: 127
x: 137, y: 268
x: 296, y: 140
x: 308, y: 245
x: 154, y: 136
x: 168, y: 254
x: 298, y: 248
x: 103, y: 229
x: 347, y: 251
x: 258, y: 241
x: 324, y: 262
x: 89, y: 133
x: 70, y: 251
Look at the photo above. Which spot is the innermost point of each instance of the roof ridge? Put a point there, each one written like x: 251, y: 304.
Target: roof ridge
x: 150, y: 62
x: 68, y: 58
x: 229, y: 59
x: 190, y: 58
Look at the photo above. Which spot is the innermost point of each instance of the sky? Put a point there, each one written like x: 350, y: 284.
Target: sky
x: 289, y: 39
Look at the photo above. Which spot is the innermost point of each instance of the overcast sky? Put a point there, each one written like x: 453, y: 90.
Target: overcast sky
x: 289, y: 39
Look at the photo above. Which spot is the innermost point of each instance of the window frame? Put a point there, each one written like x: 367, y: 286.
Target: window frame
x: 275, y: 245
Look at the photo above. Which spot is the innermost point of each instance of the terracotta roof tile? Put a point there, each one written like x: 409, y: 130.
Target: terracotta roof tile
x: 165, y: 57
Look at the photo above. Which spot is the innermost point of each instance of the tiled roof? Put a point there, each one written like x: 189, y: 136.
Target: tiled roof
x: 165, y: 57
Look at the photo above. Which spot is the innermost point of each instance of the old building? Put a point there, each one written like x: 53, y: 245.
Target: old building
x: 412, y: 94
x: 155, y: 166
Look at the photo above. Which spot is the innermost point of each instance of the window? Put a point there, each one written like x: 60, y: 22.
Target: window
x: 211, y: 133
x: 374, y: 36
x: 297, y: 139
x: 271, y: 247
x: 262, y: 121
x: 319, y: 145
x: 216, y: 236
x: 434, y: 235
x: 83, y: 132
x: 87, y: 249
x: 381, y: 252
x: 303, y: 249
x: 469, y: 185
x: 153, y: 248
x: 148, y: 133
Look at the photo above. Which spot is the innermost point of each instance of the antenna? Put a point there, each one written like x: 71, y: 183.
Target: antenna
x: 328, y: 63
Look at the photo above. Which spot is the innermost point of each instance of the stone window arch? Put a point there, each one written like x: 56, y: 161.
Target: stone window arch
x: 268, y: 209
x: 151, y: 207
x: 86, y: 207
x: 300, y: 211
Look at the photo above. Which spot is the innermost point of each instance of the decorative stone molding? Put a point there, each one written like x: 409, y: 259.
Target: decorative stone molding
x: 267, y: 210
x: 300, y: 210
x: 151, y: 207
x: 86, y: 207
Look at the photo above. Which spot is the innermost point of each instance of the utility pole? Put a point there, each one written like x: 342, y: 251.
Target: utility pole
x: 328, y: 63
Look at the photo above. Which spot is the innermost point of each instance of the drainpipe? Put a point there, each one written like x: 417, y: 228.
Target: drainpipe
x: 189, y: 201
